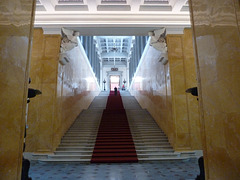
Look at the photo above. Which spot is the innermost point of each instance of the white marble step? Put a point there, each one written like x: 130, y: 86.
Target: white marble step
x: 158, y: 155
x: 80, y: 145
x: 73, y: 152
x: 145, y: 151
x: 70, y: 156
x: 162, y: 158
x: 74, y: 148
x: 78, y: 141
x: 93, y: 140
x: 64, y: 160
x: 93, y: 143
x: 80, y: 136
x: 152, y: 140
x: 153, y: 147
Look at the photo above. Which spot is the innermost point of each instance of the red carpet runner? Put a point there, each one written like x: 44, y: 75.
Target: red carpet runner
x: 114, y: 141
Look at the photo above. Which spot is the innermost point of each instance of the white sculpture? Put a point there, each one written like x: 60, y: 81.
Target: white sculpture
x: 158, y: 39
x: 63, y: 58
x: 69, y: 41
x: 163, y: 58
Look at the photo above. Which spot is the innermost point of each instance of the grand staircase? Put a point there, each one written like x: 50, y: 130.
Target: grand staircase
x: 150, y: 141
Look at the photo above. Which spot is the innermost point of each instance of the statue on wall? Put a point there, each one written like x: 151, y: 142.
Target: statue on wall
x: 159, y: 42
x: 69, y: 41
x: 158, y: 39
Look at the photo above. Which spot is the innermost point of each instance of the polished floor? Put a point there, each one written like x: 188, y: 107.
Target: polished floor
x: 161, y: 170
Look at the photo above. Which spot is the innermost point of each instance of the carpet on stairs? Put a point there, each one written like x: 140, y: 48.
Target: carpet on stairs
x: 114, y: 143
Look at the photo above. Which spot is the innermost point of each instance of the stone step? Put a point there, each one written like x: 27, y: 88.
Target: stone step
x: 158, y: 155
x: 154, y: 148
x: 143, y: 151
x: 148, y: 137
x: 79, y: 132
x: 73, y: 152
x: 93, y: 143
x: 79, y: 145
x: 64, y: 160
x: 135, y: 141
x: 162, y: 159
x: 74, y: 131
x: 80, y: 136
x: 70, y: 156
x: 67, y: 148
x: 78, y: 140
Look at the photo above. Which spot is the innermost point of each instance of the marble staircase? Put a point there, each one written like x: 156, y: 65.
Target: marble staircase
x: 150, y: 141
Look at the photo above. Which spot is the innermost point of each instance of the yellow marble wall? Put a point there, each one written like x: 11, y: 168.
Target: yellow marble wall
x: 66, y: 91
x: 183, y: 76
x: 161, y: 89
x: 191, y: 81
x: 217, y: 42
x: 16, y: 19
x: 42, y: 109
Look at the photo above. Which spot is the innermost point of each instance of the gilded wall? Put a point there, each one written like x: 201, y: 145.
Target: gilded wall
x: 161, y: 90
x: 66, y: 91
x: 15, y: 44
x: 217, y: 42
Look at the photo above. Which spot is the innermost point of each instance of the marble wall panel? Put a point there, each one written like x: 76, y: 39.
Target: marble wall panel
x: 42, y: 109
x: 77, y: 87
x: 217, y: 42
x: 16, y: 20
x: 161, y: 89
x: 152, y: 88
x: 178, y: 79
x: 191, y: 81
x: 66, y: 91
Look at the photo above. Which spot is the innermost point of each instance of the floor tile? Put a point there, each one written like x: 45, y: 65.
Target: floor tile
x: 162, y: 170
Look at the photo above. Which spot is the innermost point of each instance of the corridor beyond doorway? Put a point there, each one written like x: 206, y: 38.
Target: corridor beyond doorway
x: 114, y: 82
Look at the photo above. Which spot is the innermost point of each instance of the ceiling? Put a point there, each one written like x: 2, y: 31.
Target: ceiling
x: 113, y: 23
x: 114, y: 50
x: 112, y: 17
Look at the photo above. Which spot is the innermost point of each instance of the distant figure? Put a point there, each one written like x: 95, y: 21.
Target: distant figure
x: 115, y: 91
x: 123, y: 87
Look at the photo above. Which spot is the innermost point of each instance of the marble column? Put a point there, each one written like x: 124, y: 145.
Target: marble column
x: 16, y: 22
x: 217, y: 48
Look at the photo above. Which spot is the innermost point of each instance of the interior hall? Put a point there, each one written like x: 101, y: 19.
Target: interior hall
x: 119, y: 89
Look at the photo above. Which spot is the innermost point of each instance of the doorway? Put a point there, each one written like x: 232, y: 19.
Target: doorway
x: 114, y: 82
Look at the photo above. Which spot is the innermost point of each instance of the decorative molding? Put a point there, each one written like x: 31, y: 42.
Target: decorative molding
x: 52, y: 30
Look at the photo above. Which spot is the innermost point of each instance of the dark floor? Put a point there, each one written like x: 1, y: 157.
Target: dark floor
x: 161, y: 170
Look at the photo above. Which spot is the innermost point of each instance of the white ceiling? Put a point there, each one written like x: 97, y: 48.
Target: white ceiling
x: 112, y: 17
x: 114, y: 50
x: 113, y: 23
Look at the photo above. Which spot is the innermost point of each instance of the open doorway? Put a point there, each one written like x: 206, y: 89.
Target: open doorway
x: 114, y: 82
